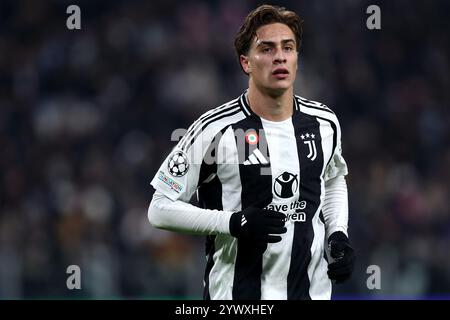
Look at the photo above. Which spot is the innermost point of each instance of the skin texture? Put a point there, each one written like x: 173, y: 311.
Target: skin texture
x: 273, y: 48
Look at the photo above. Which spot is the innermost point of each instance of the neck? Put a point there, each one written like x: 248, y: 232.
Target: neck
x: 273, y: 107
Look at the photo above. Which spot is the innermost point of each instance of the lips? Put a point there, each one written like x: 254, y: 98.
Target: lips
x: 280, y: 73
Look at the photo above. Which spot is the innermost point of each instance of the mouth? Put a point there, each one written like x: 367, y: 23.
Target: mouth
x: 280, y: 73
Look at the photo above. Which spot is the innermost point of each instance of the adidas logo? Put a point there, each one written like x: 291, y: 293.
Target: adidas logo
x: 256, y: 158
x: 243, y: 220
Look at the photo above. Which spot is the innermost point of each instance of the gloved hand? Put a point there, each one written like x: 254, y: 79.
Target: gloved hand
x: 258, y: 224
x: 344, y: 257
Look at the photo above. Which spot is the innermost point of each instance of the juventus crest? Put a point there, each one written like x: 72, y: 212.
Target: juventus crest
x: 308, y: 139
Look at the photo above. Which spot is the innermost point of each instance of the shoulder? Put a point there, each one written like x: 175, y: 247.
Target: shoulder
x: 316, y: 109
x: 221, y: 116
x: 228, y: 108
x: 311, y: 104
x: 213, y: 121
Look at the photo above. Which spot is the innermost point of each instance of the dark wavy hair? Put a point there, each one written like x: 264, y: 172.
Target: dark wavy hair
x: 263, y: 15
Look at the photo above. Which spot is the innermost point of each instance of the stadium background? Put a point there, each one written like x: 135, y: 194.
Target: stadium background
x: 86, y: 119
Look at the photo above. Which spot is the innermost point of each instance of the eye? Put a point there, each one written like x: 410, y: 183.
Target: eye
x: 288, y: 48
x: 267, y: 49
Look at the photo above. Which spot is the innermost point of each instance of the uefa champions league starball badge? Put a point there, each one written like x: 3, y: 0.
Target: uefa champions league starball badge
x: 178, y: 164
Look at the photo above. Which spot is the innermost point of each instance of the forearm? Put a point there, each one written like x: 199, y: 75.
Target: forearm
x: 180, y: 216
x: 335, y: 206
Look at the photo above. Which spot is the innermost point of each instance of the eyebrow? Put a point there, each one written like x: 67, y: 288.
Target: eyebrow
x: 271, y: 43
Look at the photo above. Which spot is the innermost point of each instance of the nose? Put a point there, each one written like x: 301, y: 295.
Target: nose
x: 279, y: 56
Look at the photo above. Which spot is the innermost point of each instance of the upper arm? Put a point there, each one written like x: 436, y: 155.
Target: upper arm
x: 337, y: 165
x: 180, y: 173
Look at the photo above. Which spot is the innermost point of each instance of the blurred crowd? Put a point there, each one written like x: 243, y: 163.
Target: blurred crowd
x: 86, y: 118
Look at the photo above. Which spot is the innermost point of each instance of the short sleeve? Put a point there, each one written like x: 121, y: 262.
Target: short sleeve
x: 178, y: 176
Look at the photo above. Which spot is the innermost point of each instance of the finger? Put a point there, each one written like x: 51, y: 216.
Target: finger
x: 275, y: 223
x: 337, y: 250
x: 339, y: 278
x: 273, y: 239
x: 276, y: 230
x: 337, y: 254
x: 274, y: 214
x: 341, y: 264
x: 335, y: 274
x: 340, y: 272
x: 347, y: 254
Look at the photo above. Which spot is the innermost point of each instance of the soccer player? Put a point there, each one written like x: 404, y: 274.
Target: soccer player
x: 268, y: 171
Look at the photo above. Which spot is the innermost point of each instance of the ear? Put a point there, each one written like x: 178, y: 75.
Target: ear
x: 245, y: 64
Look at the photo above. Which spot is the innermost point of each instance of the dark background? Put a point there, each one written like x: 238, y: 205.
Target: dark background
x: 86, y: 117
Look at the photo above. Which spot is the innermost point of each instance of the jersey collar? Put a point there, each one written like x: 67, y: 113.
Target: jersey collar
x: 243, y: 102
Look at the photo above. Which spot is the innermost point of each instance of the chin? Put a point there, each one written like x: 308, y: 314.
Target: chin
x: 279, y: 89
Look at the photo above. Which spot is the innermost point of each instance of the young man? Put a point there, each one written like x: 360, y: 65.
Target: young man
x: 269, y: 176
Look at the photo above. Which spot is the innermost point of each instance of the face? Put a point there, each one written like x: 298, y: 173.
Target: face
x: 272, y: 59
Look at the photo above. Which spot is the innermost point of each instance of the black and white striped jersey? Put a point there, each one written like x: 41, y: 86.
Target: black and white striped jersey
x: 232, y: 159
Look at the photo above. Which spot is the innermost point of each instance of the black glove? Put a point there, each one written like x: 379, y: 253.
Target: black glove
x: 343, y: 255
x: 257, y: 224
